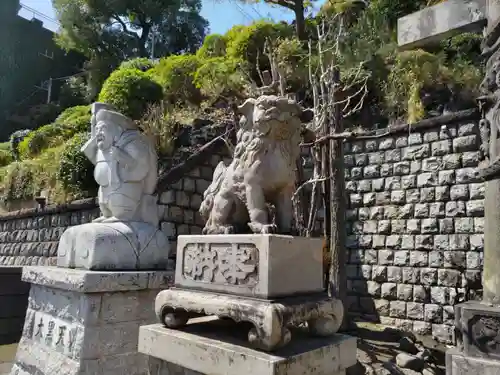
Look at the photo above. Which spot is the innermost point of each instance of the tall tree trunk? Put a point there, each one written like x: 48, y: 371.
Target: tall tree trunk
x: 146, y: 30
x: 300, y: 22
x: 338, y: 278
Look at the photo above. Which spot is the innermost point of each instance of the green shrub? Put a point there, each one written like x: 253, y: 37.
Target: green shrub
x: 15, y: 139
x: 175, y: 74
x: 221, y: 77
x: 214, y: 45
x: 131, y: 92
x: 411, y: 72
x: 247, y: 43
x: 141, y: 63
x: 5, y: 154
x: 73, y: 120
x: 18, y: 182
x: 75, y: 172
x: 40, y: 139
x: 70, y: 114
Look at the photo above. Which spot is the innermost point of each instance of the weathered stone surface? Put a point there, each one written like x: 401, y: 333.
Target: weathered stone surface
x: 263, y: 266
x: 205, y: 348
x: 83, y: 281
x: 441, y: 21
x: 82, y: 323
x: 459, y: 364
x: 271, y: 320
x: 111, y: 246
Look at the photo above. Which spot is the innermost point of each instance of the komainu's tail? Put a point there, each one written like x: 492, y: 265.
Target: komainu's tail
x: 209, y: 194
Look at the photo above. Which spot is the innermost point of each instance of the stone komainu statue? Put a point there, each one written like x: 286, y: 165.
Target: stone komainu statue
x: 263, y: 170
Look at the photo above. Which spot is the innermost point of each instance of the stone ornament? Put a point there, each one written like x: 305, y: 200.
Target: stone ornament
x: 271, y: 320
x: 262, y: 170
x: 126, y: 236
x: 254, y: 265
x: 272, y: 281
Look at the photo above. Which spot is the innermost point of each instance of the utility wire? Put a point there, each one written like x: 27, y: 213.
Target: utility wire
x: 40, y: 14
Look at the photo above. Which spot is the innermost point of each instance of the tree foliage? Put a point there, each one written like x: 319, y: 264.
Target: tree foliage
x: 126, y: 28
x: 130, y: 91
x: 108, y: 32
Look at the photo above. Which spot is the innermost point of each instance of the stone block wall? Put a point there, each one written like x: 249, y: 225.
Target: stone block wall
x: 181, y: 201
x: 30, y: 237
x: 416, y: 221
x: 13, y: 304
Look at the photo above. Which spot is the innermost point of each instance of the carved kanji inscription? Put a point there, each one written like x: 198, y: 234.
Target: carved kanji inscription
x: 225, y: 264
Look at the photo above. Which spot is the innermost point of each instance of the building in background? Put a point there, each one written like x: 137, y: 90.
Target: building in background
x: 29, y: 58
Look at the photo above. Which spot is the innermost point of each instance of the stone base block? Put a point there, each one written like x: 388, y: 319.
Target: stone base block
x: 270, y: 319
x: 257, y: 265
x: 459, y: 364
x: 477, y: 327
x: 218, y: 348
x: 85, y: 322
x: 113, y: 246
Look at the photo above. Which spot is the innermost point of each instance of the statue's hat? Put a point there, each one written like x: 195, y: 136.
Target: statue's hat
x: 96, y: 107
x: 115, y: 118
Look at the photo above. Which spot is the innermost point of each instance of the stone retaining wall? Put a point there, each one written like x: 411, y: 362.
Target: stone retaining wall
x: 30, y: 237
x: 415, y: 221
x: 13, y: 304
x: 415, y: 226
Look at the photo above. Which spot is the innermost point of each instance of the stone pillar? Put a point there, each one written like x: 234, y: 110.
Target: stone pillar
x: 86, y: 322
x: 477, y: 324
x: 491, y: 262
x: 492, y: 13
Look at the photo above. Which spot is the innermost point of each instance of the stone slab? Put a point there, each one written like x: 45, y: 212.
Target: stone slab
x: 113, y: 246
x: 211, y: 348
x: 459, y: 364
x: 255, y: 265
x: 441, y: 21
x: 81, y: 322
x: 85, y: 281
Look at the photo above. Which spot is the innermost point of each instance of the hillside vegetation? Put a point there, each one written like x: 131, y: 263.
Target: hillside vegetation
x: 171, y: 91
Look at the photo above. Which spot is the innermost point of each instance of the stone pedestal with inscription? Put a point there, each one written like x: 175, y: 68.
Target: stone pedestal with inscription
x: 273, y: 282
x: 86, y: 322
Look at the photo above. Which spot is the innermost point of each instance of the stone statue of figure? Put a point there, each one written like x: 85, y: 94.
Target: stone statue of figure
x: 126, y: 236
x: 125, y: 167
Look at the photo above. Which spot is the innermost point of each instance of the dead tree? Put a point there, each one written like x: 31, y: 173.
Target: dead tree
x: 331, y: 105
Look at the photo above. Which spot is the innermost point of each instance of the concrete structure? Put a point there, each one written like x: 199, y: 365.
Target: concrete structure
x: 270, y: 266
x: 245, y: 268
x: 211, y: 348
x: 85, y: 322
x: 441, y: 21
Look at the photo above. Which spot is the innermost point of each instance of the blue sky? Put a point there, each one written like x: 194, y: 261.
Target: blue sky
x: 222, y: 14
